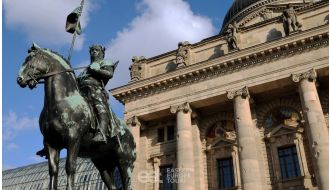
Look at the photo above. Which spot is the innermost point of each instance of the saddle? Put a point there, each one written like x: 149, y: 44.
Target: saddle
x: 114, y: 122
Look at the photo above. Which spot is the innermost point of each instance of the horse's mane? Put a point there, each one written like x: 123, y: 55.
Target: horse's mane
x: 56, y: 53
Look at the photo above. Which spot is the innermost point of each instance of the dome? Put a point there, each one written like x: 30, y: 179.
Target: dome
x: 237, y: 7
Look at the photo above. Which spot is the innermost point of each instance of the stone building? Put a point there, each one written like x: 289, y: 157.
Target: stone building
x: 245, y: 109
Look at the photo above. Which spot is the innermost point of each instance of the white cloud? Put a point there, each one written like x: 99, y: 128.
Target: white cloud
x: 13, y: 125
x: 157, y: 29
x: 12, y: 146
x: 44, y: 20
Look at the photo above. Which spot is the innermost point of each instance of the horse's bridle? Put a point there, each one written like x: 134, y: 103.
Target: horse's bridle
x: 35, y: 77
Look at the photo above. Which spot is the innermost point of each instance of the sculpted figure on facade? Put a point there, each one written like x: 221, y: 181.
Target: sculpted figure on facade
x: 266, y: 14
x: 183, y: 54
x: 136, y: 68
x: 290, y: 20
x: 231, y: 35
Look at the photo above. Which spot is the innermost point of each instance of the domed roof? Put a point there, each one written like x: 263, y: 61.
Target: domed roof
x: 237, y: 7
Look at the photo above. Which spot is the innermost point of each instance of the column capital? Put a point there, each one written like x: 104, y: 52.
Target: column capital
x: 243, y: 92
x: 133, y: 121
x: 310, y: 75
x: 156, y: 160
x: 185, y: 107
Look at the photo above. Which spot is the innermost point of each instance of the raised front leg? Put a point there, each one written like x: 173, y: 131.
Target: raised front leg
x: 70, y: 165
x: 53, y: 159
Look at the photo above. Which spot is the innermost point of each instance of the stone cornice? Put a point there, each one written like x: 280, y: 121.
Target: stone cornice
x: 242, y: 29
x: 256, y: 55
x: 310, y: 75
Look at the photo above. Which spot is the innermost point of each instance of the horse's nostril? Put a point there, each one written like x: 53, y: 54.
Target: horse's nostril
x: 19, y: 80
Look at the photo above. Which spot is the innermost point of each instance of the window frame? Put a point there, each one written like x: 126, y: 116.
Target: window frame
x: 161, y: 185
x: 232, y: 173
x: 294, y: 158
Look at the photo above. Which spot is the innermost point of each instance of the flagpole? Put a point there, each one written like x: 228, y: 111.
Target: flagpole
x: 75, y: 31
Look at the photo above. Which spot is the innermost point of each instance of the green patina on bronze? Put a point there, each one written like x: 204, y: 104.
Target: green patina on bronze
x: 76, y: 101
x: 74, y: 115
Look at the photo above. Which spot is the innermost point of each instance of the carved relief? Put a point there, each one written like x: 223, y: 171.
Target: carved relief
x: 137, y: 68
x: 266, y: 14
x: 290, y: 20
x: 221, y: 131
x: 282, y: 116
x: 183, y: 54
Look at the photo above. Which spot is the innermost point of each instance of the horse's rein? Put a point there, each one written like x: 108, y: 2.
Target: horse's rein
x: 58, y: 72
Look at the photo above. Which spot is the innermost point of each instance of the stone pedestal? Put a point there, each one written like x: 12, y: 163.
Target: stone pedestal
x: 249, y: 164
x: 135, y: 126
x: 316, y: 129
x: 185, y: 155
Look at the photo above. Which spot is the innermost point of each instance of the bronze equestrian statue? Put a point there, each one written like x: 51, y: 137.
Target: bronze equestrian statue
x: 70, y: 120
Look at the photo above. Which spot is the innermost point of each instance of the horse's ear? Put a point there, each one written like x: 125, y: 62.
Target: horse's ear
x: 33, y: 47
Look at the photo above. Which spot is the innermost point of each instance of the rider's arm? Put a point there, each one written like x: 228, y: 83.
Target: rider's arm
x: 104, y: 71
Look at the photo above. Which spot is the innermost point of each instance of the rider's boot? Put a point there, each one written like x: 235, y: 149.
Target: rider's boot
x: 42, y: 153
x: 101, y: 134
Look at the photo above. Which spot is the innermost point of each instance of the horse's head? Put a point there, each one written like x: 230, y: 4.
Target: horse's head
x: 36, y: 64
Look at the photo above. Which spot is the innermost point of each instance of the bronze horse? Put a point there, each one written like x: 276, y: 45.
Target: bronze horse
x: 66, y: 120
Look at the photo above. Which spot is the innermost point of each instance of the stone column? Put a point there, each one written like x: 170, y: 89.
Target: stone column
x: 316, y: 130
x: 135, y: 126
x: 156, y: 163
x: 248, y: 158
x: 184, y: 141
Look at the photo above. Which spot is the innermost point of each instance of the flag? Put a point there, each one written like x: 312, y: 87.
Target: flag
x: 72, y: 20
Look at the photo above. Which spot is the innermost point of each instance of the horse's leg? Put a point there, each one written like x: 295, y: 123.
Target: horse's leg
x: 53, y: 159
x: 126, y: 170
x: 70, y: 165
x: 106, y: 172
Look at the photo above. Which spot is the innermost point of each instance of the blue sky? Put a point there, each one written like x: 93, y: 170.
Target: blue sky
x: 126, y: 28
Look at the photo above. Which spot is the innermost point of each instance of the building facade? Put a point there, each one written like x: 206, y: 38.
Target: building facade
x: 245, y: 109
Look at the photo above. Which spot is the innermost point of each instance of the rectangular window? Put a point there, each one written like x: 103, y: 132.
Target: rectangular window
x: 161, y: 135
x: 289, y: 162
x: 226, y: 173
x: 170, y: 133
x: 165, y: 178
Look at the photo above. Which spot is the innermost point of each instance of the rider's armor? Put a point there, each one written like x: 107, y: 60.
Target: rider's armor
x: 92, y: 82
